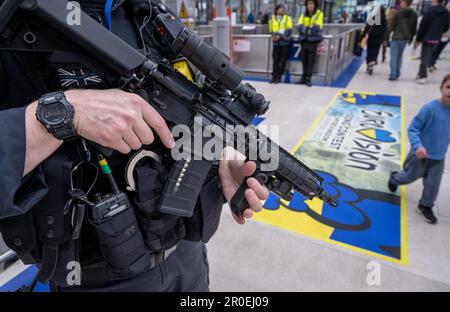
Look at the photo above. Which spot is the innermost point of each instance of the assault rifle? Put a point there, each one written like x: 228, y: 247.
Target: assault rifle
x: 222, y: 100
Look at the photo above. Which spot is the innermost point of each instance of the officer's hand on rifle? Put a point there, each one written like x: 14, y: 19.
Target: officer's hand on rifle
x: 112, y: 118
x: 232, y: 171
x: 116, y: 119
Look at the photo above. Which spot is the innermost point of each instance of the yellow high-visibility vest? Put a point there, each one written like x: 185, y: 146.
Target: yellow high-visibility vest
x: 284, y: 24
x: 315, y: 20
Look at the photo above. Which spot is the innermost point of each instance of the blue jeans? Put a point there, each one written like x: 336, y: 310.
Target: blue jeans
x: 397, y: 48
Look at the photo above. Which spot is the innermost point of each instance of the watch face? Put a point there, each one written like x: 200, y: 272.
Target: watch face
x: 54, y: 113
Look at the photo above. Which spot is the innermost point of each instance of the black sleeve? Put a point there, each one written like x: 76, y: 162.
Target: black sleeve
x: 393, y: 25
x: 18, y: 194
x: 422, y: 27
x: 414, y: 26
x: 447, y: 25
x: 384, y: 24
x: 366, y: 30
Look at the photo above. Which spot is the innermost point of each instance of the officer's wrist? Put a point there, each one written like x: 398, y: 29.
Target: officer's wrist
x: 73, y: 98
x: 40, y: 144
x: 33, y: 123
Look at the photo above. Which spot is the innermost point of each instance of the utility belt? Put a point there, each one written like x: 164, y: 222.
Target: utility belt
x: 132, y: 239
x: 98, y: 274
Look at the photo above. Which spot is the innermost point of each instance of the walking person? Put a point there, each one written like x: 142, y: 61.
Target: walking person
x: 403, y: 29
x: 435, y: 23
x: 280, y: 26
x: 375, y: 33
x: 310, y: 27
x: 429, y: 135
x: 440, y: 47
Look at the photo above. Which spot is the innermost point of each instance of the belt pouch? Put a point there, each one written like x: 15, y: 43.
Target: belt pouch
x: 122, y: 245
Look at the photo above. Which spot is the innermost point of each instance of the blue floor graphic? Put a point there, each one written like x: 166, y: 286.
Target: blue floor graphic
x: 25, y: 278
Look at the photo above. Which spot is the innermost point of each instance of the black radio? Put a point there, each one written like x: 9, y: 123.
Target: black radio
x: 118, y: 232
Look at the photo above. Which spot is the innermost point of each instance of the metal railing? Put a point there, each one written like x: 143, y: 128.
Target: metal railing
x: 5, y: 254
x: 257, y: 29
x: 333, y: 55
x: 5, y: 257
x: 253, y: 50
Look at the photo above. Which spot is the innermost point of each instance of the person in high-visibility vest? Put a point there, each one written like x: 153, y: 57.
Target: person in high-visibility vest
x: 310, y: 27
x: 280, y: 26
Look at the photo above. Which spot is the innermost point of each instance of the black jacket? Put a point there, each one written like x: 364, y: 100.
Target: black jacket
x: 377, y: 32
x: 435, y: 22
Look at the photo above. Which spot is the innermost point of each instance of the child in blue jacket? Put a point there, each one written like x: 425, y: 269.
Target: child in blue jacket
x: 429, y: 135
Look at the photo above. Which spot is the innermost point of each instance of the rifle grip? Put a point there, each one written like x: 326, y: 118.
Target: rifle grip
x: 239, y: 203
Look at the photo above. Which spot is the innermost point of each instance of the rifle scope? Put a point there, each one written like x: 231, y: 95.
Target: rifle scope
x: 208, y: 59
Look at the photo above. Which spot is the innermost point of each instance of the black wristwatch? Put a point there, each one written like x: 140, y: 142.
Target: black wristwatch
x: 56, y: 114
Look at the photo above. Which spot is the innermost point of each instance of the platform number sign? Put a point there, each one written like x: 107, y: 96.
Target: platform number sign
x: 295, y: 49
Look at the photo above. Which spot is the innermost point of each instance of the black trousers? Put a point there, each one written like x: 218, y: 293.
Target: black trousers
x: 373, y: 49
x: 185, y: 270
x: 426, y: 58
x: 438, y: 50
x: 308, y: 55
x: 279, y: 55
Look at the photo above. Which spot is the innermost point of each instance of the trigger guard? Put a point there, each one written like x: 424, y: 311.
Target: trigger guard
x: 132, y: 162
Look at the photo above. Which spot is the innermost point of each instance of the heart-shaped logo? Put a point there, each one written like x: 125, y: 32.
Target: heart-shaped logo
x: 378, y: 134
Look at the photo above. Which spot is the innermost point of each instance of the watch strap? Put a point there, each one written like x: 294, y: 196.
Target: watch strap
x: 65, y: 130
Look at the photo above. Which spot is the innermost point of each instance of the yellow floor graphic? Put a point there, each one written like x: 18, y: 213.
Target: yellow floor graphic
x: 353, y: 145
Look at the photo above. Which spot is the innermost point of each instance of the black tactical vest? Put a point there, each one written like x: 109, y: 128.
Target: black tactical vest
x: 45, y: 234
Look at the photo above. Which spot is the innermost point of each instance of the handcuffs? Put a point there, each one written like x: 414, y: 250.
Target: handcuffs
x: 131, y: 165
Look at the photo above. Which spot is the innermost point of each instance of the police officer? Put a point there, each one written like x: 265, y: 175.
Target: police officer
x: 34, y: 186
x: 280, y: 27
x: 310, y: 26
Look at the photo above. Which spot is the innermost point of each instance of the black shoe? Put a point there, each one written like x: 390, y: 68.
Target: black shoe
x: 391, y: 185
x: 427, y: 214
x: 301, y: 81
x: 392, y: 78
x: 309, y: 84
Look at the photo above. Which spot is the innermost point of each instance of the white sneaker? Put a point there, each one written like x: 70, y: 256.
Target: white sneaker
x: 422, y: 81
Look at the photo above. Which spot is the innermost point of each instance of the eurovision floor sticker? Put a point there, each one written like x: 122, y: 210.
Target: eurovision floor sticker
x: 353, y: 145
